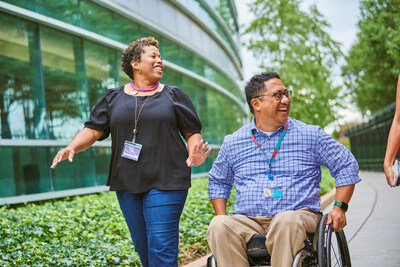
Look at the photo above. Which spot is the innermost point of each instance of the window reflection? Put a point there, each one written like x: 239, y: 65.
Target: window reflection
x: 16, y: 97
x: 65, y: 10
x: 101, y: 66
x: 52, y: 79
x: 62, y: 80
x: 96, y: 18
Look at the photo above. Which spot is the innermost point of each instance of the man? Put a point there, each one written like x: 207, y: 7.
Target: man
x: 274, y: 163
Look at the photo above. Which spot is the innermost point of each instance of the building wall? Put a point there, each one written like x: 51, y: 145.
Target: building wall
x: 58, y: 58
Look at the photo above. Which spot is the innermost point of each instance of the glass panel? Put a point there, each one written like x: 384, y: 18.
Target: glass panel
x: 96, y: 19
x: 7, y: 172
x: 123, y: 77
x: 28, y: 4
x: 198, y: 66
x: 125, y: 31
x: 79, y: 174
x: 66, y: 100
x: 17, y: 105
x: 26, y: 171
x: 213, y: 119
x: 186, y: 59
x: 65, y: 10
x: 144, y: 32
x: 169, y: 51
x: 190, y: 87
x: 102, y: 157
x: 203, y: 113
x: 233, y: 118
x: 101, y: 71
x: 171, y: 78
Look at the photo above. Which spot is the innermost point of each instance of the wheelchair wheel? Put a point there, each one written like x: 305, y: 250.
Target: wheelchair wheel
x: 211, y: 261
x: 331, y: 246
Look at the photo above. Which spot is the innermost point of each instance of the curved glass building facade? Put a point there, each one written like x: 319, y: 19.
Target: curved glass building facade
x: 59, y: 57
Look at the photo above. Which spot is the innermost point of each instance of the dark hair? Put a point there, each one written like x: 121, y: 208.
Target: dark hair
x: 256, y: 85
x: 134, y: 52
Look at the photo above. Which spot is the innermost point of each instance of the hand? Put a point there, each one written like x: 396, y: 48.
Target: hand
x: 198, y: 154
x: 337, y: 219
x: 389, y: 174
x: 63, y: 154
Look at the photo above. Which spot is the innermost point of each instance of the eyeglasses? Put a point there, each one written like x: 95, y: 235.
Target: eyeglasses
x: 278, y: 95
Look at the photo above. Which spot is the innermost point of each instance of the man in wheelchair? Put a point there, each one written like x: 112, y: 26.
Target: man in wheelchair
x: 274, y: 162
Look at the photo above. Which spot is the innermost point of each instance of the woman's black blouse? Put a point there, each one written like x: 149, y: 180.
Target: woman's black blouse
x: 162, y: 160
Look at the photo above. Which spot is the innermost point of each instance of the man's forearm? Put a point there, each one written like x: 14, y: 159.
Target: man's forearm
x: 219, y: 205
x: 344, y: 193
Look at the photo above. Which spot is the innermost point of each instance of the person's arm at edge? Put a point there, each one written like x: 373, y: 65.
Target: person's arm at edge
x: 337, y: 216
x: 393, y: 142
x: 82, y: 140
x: 197, y: 151
x: 219, y: 205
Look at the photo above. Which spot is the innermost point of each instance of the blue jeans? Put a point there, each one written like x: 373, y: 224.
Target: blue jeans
x: 153, y: 221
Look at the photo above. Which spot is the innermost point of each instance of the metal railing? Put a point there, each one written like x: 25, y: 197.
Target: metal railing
x: 368, y: 141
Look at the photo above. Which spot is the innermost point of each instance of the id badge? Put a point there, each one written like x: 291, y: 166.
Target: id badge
x: 273, y: 192
x: 131, y: 150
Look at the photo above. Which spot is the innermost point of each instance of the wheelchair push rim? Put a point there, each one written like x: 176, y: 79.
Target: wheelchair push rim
x: 331, y: 246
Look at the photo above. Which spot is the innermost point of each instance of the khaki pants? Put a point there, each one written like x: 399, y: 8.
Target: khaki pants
x: 227, y: 236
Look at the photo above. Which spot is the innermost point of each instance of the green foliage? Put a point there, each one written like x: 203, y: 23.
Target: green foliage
x: 373, y: 63
x: 91, y: 231
x: 196, y: 217
x: 293, y: 43
x: 327, y: 181
x: 336, y: 134
x: 85, y: 231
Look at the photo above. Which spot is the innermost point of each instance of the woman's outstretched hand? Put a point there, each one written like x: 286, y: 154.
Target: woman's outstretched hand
x: 198, y: 154
x: 63, y: 154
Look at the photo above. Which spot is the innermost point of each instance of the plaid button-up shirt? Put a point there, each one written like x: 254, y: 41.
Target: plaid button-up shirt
x: 296, y: 168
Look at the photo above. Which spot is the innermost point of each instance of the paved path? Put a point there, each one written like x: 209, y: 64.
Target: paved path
x: 373, y: 222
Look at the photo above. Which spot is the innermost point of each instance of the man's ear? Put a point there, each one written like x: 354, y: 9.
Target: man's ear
x: 255, y: 103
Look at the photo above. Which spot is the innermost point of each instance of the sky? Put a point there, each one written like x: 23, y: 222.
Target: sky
x: 342, y: 15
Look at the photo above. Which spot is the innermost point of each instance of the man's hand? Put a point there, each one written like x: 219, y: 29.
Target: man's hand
x: 337, y: 219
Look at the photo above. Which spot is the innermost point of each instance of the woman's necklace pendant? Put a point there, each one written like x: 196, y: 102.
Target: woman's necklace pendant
x: 133, y: 92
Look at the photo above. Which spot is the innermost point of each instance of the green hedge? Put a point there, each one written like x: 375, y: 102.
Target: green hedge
x: 90, y: 230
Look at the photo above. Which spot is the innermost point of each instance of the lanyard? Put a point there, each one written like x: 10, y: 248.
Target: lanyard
x: 275, y: 150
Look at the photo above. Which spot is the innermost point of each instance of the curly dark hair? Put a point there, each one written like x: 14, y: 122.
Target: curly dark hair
x: 255, y: 86
x: 134, y: 52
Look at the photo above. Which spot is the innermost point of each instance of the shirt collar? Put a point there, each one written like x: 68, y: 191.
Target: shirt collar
x: 254, y: 129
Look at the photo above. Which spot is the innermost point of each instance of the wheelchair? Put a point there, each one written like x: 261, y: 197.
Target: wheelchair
x: 324, y: 248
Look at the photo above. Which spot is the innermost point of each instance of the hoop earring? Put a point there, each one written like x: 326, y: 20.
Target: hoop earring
x: 139, y: 71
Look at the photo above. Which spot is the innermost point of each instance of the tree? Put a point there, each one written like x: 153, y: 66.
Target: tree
x: 373, y: 64
x: 293, y: 42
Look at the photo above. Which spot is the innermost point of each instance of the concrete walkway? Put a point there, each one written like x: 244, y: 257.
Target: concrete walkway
x: 373, y: 223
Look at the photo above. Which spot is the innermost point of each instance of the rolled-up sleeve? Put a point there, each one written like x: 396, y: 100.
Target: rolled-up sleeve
x: 221, y: 176
x: 338, y: 159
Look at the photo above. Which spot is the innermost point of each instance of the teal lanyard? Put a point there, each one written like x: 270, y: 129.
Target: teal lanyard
x: 270, y: 160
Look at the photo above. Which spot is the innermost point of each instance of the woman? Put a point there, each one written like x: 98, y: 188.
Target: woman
x: 393, y: 143
x: 150, y: 164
